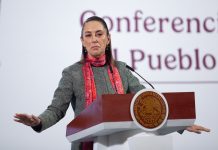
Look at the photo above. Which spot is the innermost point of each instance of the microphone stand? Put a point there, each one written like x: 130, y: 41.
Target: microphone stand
x: 130, y: 68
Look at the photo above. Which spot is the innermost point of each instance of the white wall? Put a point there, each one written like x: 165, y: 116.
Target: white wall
x: 40, y: 38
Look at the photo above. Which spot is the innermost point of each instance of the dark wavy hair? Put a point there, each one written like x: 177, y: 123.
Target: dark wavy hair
x: 108, y: 50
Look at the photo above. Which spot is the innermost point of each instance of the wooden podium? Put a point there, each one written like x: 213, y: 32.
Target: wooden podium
x: 108, y: 121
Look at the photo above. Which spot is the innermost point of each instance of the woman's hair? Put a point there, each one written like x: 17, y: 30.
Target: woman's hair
x: 108, y: 50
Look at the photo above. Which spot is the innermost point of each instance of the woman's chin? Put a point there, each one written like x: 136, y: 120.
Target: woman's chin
x: 96, y: 55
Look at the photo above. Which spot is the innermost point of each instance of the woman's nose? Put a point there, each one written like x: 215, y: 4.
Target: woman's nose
x: 94, y: 39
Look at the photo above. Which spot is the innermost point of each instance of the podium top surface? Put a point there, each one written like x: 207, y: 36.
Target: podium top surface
x: 116, y: 108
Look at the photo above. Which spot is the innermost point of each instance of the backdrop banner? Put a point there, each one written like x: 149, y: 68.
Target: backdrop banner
x: 172, y: 44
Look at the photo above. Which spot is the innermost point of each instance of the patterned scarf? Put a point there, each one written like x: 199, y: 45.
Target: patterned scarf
x: 90, y: 89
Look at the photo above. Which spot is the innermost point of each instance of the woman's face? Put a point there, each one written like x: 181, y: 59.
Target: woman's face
x: 95, y: 38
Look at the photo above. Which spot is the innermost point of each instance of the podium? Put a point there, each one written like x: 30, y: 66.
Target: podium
x: 108, y: 122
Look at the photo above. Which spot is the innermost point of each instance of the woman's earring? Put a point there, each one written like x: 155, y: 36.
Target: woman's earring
x: 107, y: 48
x: 84, y: 50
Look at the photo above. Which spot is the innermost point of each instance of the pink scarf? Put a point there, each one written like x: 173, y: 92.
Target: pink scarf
x: 90, y: 89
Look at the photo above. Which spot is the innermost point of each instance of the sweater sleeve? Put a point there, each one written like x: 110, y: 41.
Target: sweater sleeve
x: 60, y: 103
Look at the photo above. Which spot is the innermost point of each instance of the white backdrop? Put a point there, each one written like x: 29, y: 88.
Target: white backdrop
x: 40, y: 38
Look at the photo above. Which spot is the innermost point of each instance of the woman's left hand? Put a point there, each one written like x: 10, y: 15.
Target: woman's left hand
x: 197, y: 129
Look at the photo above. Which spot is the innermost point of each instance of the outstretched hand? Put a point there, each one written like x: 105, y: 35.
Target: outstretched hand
x: 197, y: 129
x: 29, y: 120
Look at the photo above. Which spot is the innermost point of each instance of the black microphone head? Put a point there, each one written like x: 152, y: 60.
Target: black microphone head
x: 130, y: 68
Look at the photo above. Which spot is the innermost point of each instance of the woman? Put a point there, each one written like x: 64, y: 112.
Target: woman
x: 97, y: 73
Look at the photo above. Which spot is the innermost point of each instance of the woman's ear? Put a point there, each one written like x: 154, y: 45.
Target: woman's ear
x: 109, y: 38
x: 81, y: 39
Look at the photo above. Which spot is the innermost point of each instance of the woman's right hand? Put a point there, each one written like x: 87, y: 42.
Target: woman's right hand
x: 29, y: 120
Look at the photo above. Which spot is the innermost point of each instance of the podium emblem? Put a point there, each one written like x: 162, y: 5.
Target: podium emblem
x: 149, y: 109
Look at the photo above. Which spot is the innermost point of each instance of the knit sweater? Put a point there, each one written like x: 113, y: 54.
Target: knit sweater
x: 71, y: 91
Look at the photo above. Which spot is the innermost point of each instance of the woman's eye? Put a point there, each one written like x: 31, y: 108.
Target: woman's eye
x: 99, y: 34
x: 87, y: 35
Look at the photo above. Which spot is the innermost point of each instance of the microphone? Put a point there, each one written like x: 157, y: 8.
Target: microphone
x: 130, y: 68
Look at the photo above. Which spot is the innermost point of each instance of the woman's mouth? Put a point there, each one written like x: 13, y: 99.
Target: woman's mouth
x: 95, y: 47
